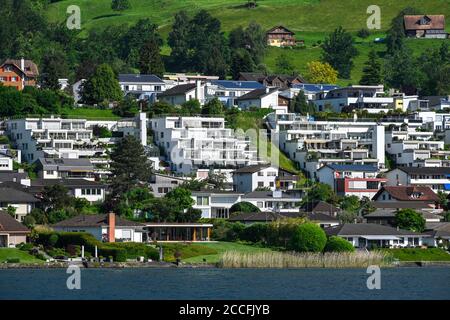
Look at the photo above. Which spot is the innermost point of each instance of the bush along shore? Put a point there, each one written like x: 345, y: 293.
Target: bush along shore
x: 233, y: 259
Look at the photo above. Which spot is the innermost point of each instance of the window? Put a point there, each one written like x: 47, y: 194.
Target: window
x: 260, y: 204
x: 260, y: 184
x: 162, y: 135
x: 202, y: 201
x: 50, y: 172
x: 126, y: 234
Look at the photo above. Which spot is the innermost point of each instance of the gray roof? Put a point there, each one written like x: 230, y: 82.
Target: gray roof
x: 425, y: 170
x: 9, y: 224
x: 321, y: 217
x: 403, y: 204
x: 178, y: 90
x: 12, y: 176
x: 390, y: 213
x: 69, y: 183
x: 362, y: 229
x: 13, y: 195
x: 438, y: 229
x: 96, y: 220
x: 65, y: 164
x: 140, y: 78
x: 251, y: 169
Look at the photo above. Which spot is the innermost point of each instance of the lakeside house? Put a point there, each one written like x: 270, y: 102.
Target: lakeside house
x: 12, y: 232
x: 370, y: 235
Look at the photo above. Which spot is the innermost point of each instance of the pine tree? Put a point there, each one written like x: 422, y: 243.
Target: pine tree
x: 178, y: 41
x: 120, y: 5
x: 241, y: 61
x: 300, y: 104
x: 101, y: 86
x: 150, y: 61
x: 371, y: 71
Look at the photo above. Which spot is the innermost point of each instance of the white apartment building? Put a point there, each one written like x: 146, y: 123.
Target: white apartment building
x: 370, y: 98
x: 437, y: 178
x: 251, y: 178
x: 68, y: 138
x: 215, y: 203
x: 200, y: 142
x: 313, y: 144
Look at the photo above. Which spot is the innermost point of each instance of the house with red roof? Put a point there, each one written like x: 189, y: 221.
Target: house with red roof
x: 18, y: 73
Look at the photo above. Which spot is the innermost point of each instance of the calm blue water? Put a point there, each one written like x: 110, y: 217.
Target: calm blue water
x: 396, y: 283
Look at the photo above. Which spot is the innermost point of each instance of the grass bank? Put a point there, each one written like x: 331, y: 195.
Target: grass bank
x: 13, y: 254
x: 234, y: 259
x: 417, y: 254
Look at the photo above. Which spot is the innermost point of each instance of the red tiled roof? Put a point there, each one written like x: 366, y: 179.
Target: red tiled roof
x: 408, y: 193
x: 9, y: 224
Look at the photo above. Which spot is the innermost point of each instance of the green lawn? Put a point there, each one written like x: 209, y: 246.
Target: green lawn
x: 12, y: 253
x: 90, y: 113
x: 221, y: 247
x: 413, y: 254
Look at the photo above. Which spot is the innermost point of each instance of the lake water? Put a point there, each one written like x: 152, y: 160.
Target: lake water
x: 172, y: 283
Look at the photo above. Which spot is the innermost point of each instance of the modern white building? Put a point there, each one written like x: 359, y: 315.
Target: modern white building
x: 191, y: 143
x: 227, y: 91
x: 370, y: 98
x: 215, y: 203
x: 141, y: 86
x: 251, y: 178
x: 265, y: 98
x: 437, y: 178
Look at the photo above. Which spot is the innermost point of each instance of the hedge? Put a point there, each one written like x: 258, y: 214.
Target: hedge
x: 119, y: 251
x: 338, y: 244
x: 309, y: 238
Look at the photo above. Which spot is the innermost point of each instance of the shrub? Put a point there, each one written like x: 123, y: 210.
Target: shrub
x: 309, y: 237
x: 234, y: 232
x: 25, y: 246
x: 13, y: 260
x: 244, y: 207
x: 338, y: 244
x: 53, y: 240
x: 256, y: 232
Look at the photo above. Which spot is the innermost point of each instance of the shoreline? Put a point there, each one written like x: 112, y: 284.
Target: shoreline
x: 158, y: 265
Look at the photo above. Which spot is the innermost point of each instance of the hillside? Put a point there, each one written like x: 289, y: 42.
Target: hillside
x: 310, y: 19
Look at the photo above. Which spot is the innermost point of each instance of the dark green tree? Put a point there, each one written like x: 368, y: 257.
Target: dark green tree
x: 120, y: 5
x: 322, y: 192
x: 245, y: 207
x: 409, y: 219
x: 182, y: 196
x: 213, y: 108
x: 150, y: 61
x: 102, y: 86
x: 300, y: 104
x: 372, y: 70
x: 129, y: 166
x: 241, y: 61
x: 191, y: 108
x: 396, y: 33
x: 56, y: 197
x: 284, y: 65
x: 54, y: 67
x: 338, y: 244
x: 338, y: 50
x: 350, y: 203
x: 178, y: 41
x: 128, y: 107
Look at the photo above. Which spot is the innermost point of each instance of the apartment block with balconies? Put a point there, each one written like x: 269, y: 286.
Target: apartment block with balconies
x: 191, y: 143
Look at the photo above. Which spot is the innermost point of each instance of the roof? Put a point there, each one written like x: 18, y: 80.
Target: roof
x: 229, y: 84
x: 390, y: 213
x: 147, y: 78
x: 251, y: 169
x: 425, y: 170
x: 269, y: 194
x: 66, y: 164
x: 178, y: 90
x: 284, y: 30
x: 9, y: 224
x: 320, y: 207
x: 362, y: 229
x: 31, y: 69
x: 13, y: 195
x: 96, y: 220
x: 313, y: 87
x: 257, y: 94
x: 408, y: 193
x: 69, y: 183
x: 438, y: 229
x: 12, y: 176
x: 403, y: 204
x: 412, y: 22
x: 351, y: 167
x: 318, y: 216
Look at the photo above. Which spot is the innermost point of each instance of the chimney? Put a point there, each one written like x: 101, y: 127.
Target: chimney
x: 111, y: 227
x: 22, y: 64
x: 198, y: 87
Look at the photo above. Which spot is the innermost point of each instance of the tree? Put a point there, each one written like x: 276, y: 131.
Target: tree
x: 245, y: 207
x: 372, y: 71
x: 56, y: 197
x: 54, y: 67
x: 150, y: 61
x: 309, y: 237
x: 409, y: 219
x: 128, y: 107
x: 182, y: 196
x: 402, y: 71
x: 129, y: 166
x: 284, y: 65
x: 191, y: 107
x: 101, y: 86
x: 435, y: 67
x: 350, y: 203
x: 321, y: 72
x: 300, y: 104
x: 120, y: 5
x: 251, y: 39
x: 178, y: 41
x: 347, y: 217
x: 321, y: 192
x: 217, y: 179
x: 241, y: 61
x: 190, y: 215
x: 213, y: 108
x: 396, y: 33
x: 338, y: 50
x: 338, y: 244
x: 29, y: 221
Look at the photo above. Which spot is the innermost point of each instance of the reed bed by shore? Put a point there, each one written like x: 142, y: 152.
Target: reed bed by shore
x: 233, y: 259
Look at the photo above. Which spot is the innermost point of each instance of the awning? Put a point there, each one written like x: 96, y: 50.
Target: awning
x: 380, y: 237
